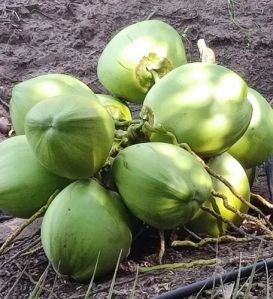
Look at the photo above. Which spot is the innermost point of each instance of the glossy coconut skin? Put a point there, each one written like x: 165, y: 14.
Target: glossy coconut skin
x: 202, y: 104
x: 70, y: 135
x: 160, y: 183
x: 228, y: 167
x: 117, y: 108
x: 30, y: 92
x: 256, y: 145
x: 25, y: 185
x: 124, y: 67
x: 84, y: 220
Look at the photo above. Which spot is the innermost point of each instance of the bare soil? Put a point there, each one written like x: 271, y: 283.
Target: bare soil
x: 66, y: 36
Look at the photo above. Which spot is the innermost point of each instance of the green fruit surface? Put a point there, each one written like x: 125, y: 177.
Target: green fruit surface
x: 70, y: 135
x: 229, y: 168
x: 83, y: 222
x: 25, y: 185
x: 125, y: 65
x: 30, y: 92
x: 117, y: 108
x: 161, y: 184
x: 256, y: 145
x: 202, y: 104
x: 251, y: 174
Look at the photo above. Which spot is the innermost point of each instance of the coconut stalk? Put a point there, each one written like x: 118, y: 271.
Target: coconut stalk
x: 208, y: 240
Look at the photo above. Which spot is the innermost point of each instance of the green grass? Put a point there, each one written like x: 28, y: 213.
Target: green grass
x: 238, y: 289
x: 231, y: 4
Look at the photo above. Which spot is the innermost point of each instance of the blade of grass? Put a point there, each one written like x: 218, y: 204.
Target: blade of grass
x: 236, y: 288
x: 200, y: 292
x: 267, y: 281
x: 223, y: 288
x: 54, y: 283
x: 231, y: 8
x: 249, y: 286
x: 215, y: 274
x: 92, y: 279
x: 109, y: 296
x: 40, y: 283
x: 213, y: 286
x: 133, y: 291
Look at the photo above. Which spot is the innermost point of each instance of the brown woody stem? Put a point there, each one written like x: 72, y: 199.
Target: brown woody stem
x: 187, y: 265
x: 221, y: 218
x: 206, y: 241
x: 264, y: 201
x: 227, y: 183
x: 162, y: 246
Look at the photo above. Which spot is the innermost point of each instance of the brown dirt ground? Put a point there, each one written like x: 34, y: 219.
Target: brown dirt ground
x: 68, y: 36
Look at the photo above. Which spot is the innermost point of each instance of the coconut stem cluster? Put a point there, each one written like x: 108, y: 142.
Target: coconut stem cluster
x: 136, y: 130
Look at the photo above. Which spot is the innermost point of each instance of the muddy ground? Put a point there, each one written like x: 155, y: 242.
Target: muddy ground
x: 67, y: 36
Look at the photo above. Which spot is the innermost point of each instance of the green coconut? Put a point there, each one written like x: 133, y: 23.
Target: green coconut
x: 162, y: 184
x: 228, y: 167
x: 30, y: 92
x: 70, y: 135
x: 83, y: 222
x: 251, y: 174
x: 25, y: 185
x: 256, y: 145
x: 116, y: 107
x: 126, y: 64
x: 202, y: 104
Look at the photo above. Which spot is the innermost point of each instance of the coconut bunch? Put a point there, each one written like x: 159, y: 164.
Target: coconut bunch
x: 213, y: 111
x: 64, y: 136
x: 110, y: 169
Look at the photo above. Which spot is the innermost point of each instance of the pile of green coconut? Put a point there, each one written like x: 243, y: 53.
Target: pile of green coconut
x: 107, y: 169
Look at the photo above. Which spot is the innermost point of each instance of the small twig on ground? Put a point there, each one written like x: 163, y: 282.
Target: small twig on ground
x: 162, y: 246
x: 34, y: 250
x: 205, y: 241
x: 21, y: 252
x: 179, y: 265
x: 17, y: 232
x: 151, y: 14
x: 43, y: 14
x: 14, y: 7
x: 197, y: 237
x: 4, y: 103
x: 264, y: 201
x: 20, y: 243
